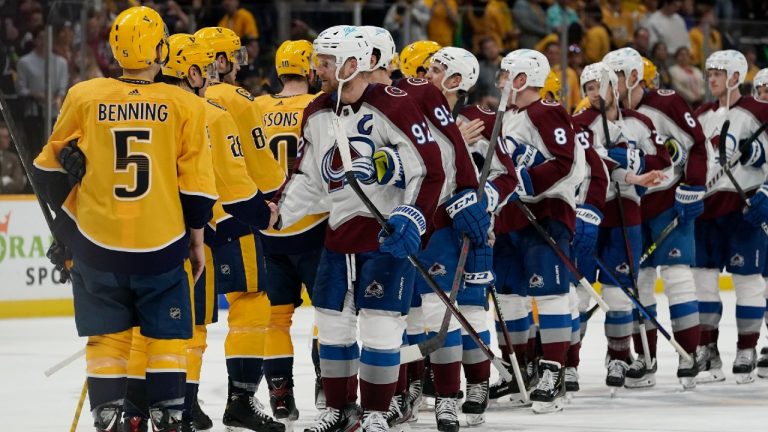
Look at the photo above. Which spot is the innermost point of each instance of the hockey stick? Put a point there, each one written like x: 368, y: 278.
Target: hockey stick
x: 625, y: 232
x: 79, y: 408
x: 710, y: 184
x: 346, y: 159
x: 64, y: 363
x: 27, y: 165
x: 642, y: 309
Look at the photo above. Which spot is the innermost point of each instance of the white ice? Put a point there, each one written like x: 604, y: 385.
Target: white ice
x: 32, y: 402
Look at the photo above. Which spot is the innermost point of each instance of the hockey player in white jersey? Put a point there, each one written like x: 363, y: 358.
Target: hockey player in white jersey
x: 760, y: 93
x: 725, y: 235
x: 361, y: 277
x: 679, y: 195
x: 634, y: 157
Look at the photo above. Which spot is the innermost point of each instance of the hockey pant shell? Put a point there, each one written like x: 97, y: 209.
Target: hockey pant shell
x: 244, y: 345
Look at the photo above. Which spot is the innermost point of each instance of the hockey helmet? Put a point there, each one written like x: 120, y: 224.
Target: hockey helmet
x: 135, y: 35
x: 294, y: 58
x: 458, y: 61
x: 417, y: 55
x: 224, y: 40
x: 382, y: 41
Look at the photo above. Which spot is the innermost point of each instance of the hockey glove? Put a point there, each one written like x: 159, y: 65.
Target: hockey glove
x: 524, y: 186
x: 73, y: 161
x: 408, y: 225
x: 389, y: 167
x: 677, y: 152
x: 689, y: 202
x: 588, y: 220
x: 479, y: 266
x: 527, y: 156
x: 753, y: 155
x: 757, y: 212
x: 58, y: 254
x: 629, y: 159
x: 470, y: 216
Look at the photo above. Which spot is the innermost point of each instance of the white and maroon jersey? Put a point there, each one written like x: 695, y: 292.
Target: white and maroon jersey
x: 459, y: 172
x: 547, y: 127
x: 746, y: 116
x: 593, y: 188
x: 384, y: 116
x: 488, y: 117
x: 634, y: 131
x: 673, y: 118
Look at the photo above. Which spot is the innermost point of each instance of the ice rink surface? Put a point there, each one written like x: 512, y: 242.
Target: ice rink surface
x: 32, y: 402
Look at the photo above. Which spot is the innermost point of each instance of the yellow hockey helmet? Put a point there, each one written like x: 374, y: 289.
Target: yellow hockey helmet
x: 551, y: 85
x: 224, y: 40
x: 583, y: 104
x: 650, y: 74
x: 185, y: 52
x: 417, y: 55
x: 294, y: 58
x: 135, y: 35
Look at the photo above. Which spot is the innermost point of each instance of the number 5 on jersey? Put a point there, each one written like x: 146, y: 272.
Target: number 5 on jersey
x: 127, y: 161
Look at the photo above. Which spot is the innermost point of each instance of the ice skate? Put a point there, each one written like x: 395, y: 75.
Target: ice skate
x: 687, y: 371
x: 165, y: 420
x: 640, y: 375
x: 571, y: 379
x: 617, y: 375
x: 374, y: 421
x: 395, y: 415
x: 549, y: 394
x: 744, y: 366
x: 106, y: 418
x: 283, y: 403
x: 244, y: 412
x: 762, y: 363
x: 446, y: 414
x: 133, y: 424
x: 414, y: 399
x: 334, y: 420
x: 319, y: 394
x: 709, y: 364
x: 476, y: 403
x: 200, y: 419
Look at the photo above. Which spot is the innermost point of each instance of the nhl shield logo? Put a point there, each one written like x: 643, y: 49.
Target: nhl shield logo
x: 224, y: 269
x: 737, y: 261
x: 675, y: 253
x: 437, y: 269
x: 375, y: 289
x: 623, y: 268
x: 536, y: 281
x: 175, y: 313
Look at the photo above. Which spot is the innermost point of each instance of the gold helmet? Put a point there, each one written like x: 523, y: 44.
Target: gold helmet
x: 294, y: 58
x: 417, y: 55
x: 650, y: 74
x: 135, y: 35
x: 551, y: 85
x: 224, y: 40
x: 583, y: 104
x: 185, y: 52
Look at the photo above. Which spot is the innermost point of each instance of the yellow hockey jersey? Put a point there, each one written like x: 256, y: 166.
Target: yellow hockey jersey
x: 149, y: 173
x: 280, y: 130
x: 262, y: 166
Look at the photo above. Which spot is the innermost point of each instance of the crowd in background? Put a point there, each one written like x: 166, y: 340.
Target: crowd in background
x: 671, y: 33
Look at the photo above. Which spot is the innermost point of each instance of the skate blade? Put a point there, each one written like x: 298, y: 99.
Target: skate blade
x: 414, y: 417
x: 400, y: 427
x: 516, y: 401
x: 614, y: 392
x: 649, y: 380
x: 548, y: 407
x: 762, y: 372
x: 747, y: 378
x: 568, y: 397
x: 353, y: 427
x: 474, y: 419
x: 688, y: 383
x: 710, y: 376
x: 427, y: 404
x: 288, y: 424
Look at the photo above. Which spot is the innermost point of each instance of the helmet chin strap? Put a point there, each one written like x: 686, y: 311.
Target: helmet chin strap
x: 630, y: 88
x: 195, y: 89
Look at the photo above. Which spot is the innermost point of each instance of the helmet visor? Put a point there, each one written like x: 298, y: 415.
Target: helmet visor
x: 241, y: 56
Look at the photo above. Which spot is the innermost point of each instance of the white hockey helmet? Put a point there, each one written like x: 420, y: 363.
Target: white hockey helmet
x: 530, y: 62
x: 599, y: 72
x: 760, y: 79
x: 382, y: 40
x: 626, y: 60
x: 345, y: 42
x: 731, y: 61
x: 458, y: 61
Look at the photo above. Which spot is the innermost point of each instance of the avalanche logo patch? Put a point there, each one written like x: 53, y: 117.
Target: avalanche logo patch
x: 175, y: 313
x: 417, y: 81
x: 737, y: 261
x: 665, y: 92
x: 394, y: 91
x: 437, y: 269
x: 675, y: 253
x: 361, y: 151
x: 375, y: 289
x: 536, y: 281
x: 623, y: 268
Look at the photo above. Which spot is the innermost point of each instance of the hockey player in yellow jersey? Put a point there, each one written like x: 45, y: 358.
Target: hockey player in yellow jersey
x: 133, y: 218
x: 293, y: 253
x: 238, y: 253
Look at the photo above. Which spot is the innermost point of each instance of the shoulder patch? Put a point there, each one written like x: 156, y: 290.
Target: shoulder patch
x: 485, y: 110
x: 549, y: 103
x: 394, y: 91
x: 244, y: 93
x: 212, y: 102
x: 417, y: 81
x: 665, y: 92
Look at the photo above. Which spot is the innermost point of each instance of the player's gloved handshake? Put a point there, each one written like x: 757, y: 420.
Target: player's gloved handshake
x: 408, y: 225
x: 689, y: 202
x: 757, y: 212
x: 72, y: 159
x: 588, y: 219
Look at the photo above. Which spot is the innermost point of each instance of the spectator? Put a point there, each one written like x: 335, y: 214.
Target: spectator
x: 576, y: 59
x: 620, y: 21
x: 254, y: 75
x: 641, y: 41
x: 687, y: 79
x: 173, y: 16
x: 490, y: 60
x: 63, y: 40
x: 97, y: 34
x: 660, y: 57
x: 667, y: 26
x: 496, y: 22
x: 555, y: 14
x: 9, y: 37
x: 696, y: 36
x: 407, y: 21
x: 301, y: 30
x: 552, y: 52
x: 597, y: 41
x: 238, y: 19
x: 444, y: 16
x: 31, y: 85
x: 752, y: 68
x: 531, y: 17
x: 12, y: 179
